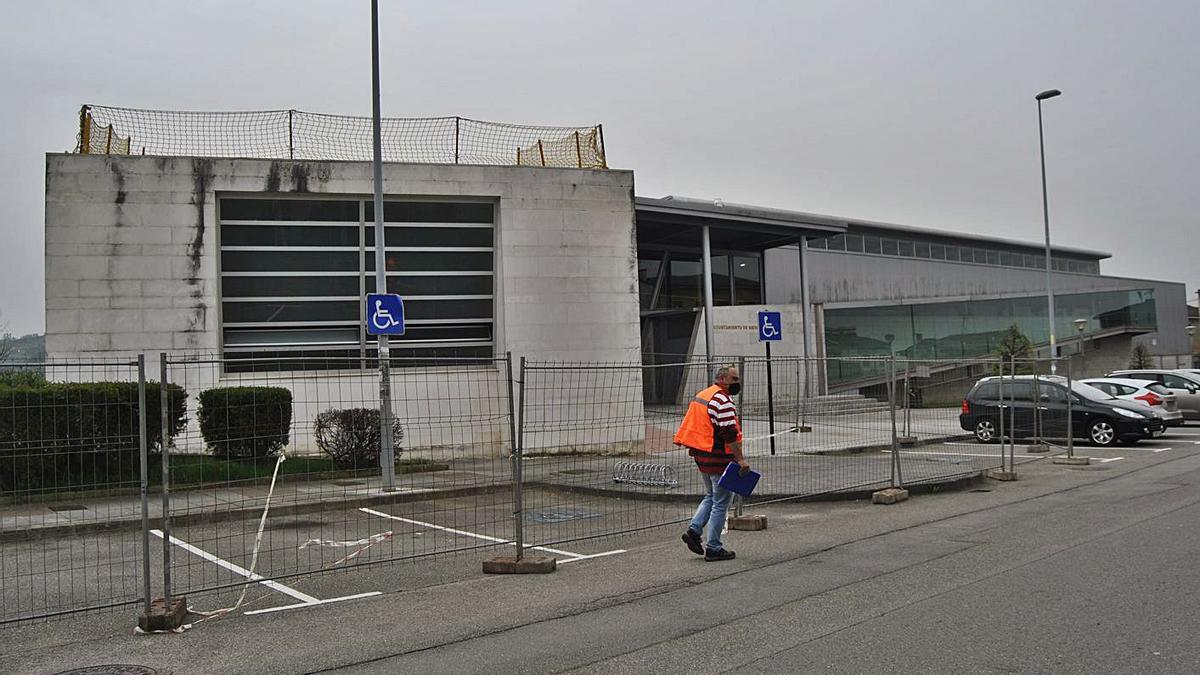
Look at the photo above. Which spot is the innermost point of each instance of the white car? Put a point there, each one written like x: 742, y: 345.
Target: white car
x: 1151, y: 394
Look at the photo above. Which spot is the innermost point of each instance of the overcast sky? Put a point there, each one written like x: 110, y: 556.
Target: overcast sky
x: 913, y: 112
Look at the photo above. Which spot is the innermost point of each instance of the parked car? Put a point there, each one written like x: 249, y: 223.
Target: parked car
x: 1185, y: 386
x: 1154, y: 395
x: 1031, y: 405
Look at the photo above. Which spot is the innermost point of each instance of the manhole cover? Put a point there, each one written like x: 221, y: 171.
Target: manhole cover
x: 68, y: 507
x: 112, y: 669
x: 559, y: 515
x: 347, y: 483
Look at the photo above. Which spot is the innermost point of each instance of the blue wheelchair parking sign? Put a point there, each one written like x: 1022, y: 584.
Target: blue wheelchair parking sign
x: 770, y: 327
x: 385, y: 314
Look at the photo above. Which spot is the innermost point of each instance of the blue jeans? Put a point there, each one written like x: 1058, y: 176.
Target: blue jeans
x: 712, y: 511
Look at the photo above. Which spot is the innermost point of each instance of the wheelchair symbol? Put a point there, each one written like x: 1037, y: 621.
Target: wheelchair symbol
x: 768, y: 329
x: 382, y: 319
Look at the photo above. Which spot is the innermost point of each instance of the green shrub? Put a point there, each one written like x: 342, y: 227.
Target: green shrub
x: 351, y: 437
x: 22, y: 377
x: 242, y: 422
x: 63, y: 436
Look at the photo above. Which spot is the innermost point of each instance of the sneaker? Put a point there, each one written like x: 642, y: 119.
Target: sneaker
x: 719, y: 554
x: 692, y: 539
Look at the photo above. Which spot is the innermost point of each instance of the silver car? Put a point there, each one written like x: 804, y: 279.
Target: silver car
x: 1151, y: 394
x: 1185, y: 386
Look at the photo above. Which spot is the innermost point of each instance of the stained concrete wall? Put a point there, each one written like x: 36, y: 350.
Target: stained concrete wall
x: 132, y: 257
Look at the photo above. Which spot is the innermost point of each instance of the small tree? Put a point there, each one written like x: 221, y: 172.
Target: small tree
x: 1140, y: 357
x: 1015, y: 345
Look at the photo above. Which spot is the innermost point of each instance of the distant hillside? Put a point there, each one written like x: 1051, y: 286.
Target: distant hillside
x: 25, y: 349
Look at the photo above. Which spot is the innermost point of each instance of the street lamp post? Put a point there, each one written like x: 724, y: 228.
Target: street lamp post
x: 1049, y: 93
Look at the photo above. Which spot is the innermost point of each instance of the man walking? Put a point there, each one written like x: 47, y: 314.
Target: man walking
x: 713, y: 436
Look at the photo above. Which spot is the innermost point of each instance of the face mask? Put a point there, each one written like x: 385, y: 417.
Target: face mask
x: 735, y: 388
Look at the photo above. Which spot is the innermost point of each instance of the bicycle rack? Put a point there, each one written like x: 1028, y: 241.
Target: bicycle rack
x: 638, y: 473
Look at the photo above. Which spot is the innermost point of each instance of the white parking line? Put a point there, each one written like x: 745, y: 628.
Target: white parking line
x: 948, y: 454
x: 305, y: 599
x: 1161, y: 449
x: 239, y: 570
x: 1106, y: 460
x: 464, y: 533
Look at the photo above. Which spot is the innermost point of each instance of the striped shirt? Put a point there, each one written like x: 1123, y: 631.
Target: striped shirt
x: 722, y: 414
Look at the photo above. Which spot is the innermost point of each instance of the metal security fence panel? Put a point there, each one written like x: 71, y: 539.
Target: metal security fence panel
x: 277, y: 474
x: 596, y: 460
x: 71, y: 475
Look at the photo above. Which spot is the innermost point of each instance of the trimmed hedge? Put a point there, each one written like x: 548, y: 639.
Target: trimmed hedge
x: 245, y: 422
x: 351, y: 437
x: 62, y: 436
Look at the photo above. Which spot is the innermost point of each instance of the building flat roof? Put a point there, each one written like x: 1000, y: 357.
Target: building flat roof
x: 719, y: 210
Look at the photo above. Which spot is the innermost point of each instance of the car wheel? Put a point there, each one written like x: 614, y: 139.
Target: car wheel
x: 985, y: 431
x: 1102, y: 433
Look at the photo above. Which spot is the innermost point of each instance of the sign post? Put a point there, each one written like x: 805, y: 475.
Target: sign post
x: 770, y: 329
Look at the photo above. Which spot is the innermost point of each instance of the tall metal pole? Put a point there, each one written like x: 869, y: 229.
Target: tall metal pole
x: 706, y: 266
x: 164, y: 402
x: 770, y: 399
x: 891, y: 389
x: 386, y: 453
x: 805, y: 315
x: 144, y: 452
x: 1046, y: 220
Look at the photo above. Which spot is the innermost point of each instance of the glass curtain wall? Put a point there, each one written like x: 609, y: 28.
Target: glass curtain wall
x: 950, y: 330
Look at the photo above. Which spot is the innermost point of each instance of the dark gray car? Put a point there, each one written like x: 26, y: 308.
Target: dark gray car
x: 1185, y: 386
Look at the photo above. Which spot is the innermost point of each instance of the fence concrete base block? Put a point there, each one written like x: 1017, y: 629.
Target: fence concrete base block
x: 803, y: 429
x: 889, y: 496
x: 507, y: 564
x: 162, y: 617
x: 1000, y: 474
x: 1037, y: 447
x: 907, y: 440
x: 747, y: 522
x: 1077, y: 460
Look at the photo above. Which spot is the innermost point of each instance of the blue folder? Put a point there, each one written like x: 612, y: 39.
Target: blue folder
x: 742, y: 485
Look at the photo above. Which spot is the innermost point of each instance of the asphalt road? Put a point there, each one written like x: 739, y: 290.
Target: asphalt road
x: 1070, y: 569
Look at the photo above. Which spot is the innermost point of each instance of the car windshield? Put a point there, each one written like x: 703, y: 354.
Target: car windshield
x: 1089, y: 392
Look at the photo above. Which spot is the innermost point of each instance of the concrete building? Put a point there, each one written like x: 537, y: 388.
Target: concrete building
x: 253, y: 259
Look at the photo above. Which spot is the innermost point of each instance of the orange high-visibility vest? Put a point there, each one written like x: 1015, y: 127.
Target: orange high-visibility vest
x: 698, y: 434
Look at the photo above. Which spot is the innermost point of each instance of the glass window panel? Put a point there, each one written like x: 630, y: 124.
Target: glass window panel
x: 952, y: 253
x: 890, y: 247
x: 240, y: 337
x: 433, y: 236
x: 1006, y: 258
x: 415, y: 308
x: 937, y: 251
x: 288, y: 235
x: 993, y: 257
x: 289, y: 209
x: 1018, y: 391
x: 242, y: 312
x: 837, y: 242
x: 433, y: 261
x: 432, y: 212
x: 272, y: 287
x: 648, y: 271
x: 921, y: 249
x: 818, y: 243
x: 905, y: 248
x: 747, y: 280
x: 722, y: 286
x: 872, y: 244
x: 854, y: 243
x: 683, y: 287
x: 454, y: 285
x: 290, y: 261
